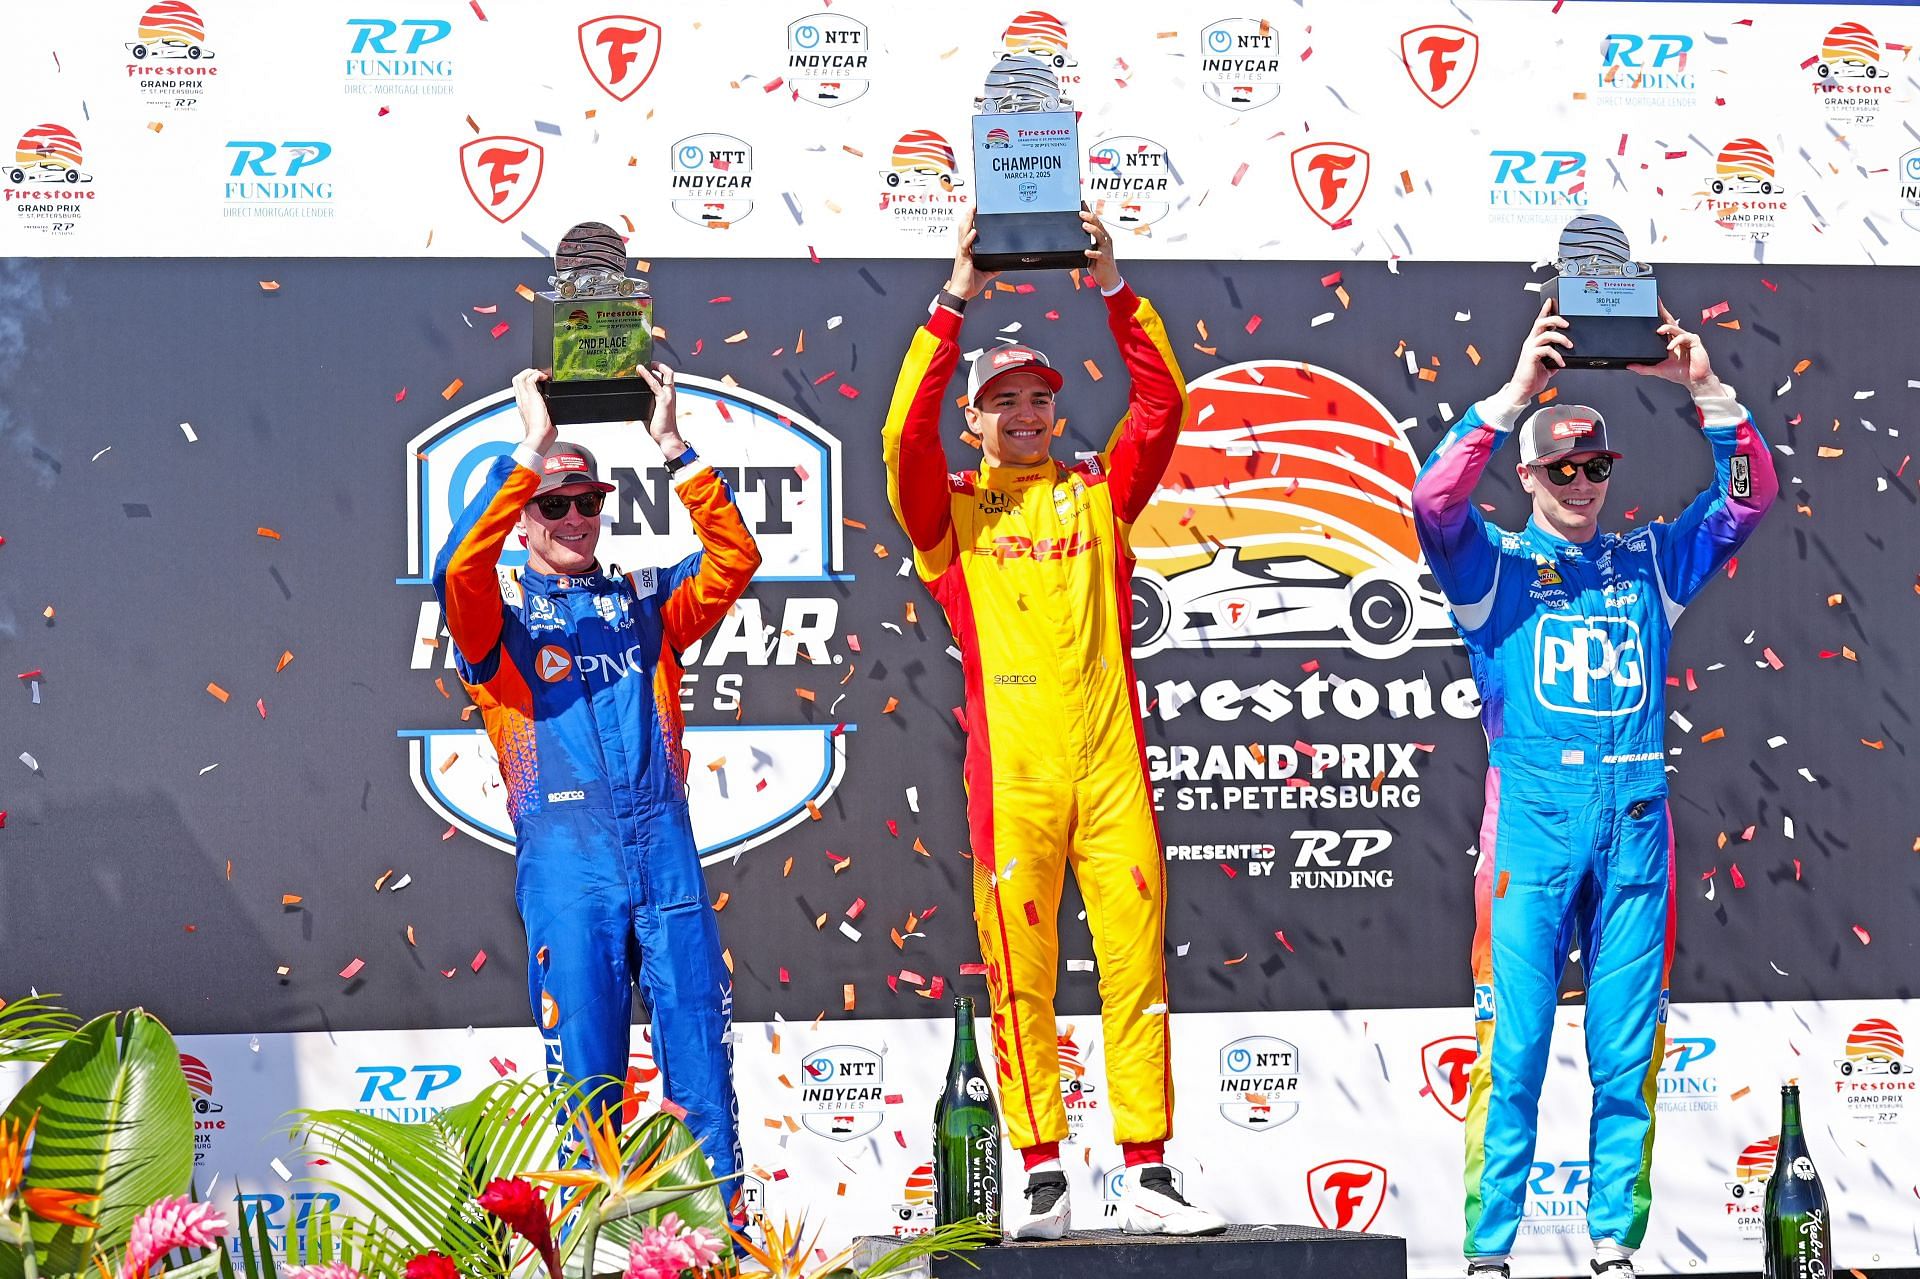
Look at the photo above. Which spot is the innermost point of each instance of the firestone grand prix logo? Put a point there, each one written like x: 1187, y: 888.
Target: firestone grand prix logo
x: 827, y: 56
x: 1347, y: 1194
x: 1292, y: 526
x: 47, y: 188
x: 1447, y: 1066
x: 1744, y: 194
x: 1331, y: 177
x: 1440, y: 60
x: 620, y: 52
x: 785, y: 473
x: 920, y: 187
x: 1746, y: 1193
x: 200, y: 1087
x: 1876, y: 1079
x: 168, y: 59
x: 502, y: 173
x: 1851, y: 82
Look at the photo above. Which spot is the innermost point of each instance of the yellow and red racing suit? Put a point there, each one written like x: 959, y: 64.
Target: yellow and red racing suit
x: 1032, y: 566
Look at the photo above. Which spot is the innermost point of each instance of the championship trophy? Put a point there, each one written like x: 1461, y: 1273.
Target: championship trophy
x: 1611, y: 303
x: 1026, y: 167
x: 594, y: 331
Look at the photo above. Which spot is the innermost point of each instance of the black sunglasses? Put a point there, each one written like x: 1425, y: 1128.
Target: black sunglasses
x: 1562, y: 473
x: 554, y: 505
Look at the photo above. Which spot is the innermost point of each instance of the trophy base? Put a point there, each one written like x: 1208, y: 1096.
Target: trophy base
x: 1030, y: 241
x: 1614, y: 341
x: 581, y: 403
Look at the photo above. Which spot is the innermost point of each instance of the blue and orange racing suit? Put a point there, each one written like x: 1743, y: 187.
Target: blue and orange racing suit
x: 578, y: 680
x: 1568, y: 644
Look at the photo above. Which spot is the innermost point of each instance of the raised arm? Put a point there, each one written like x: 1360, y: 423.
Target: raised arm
x: 464, y: 574
x: 1143, y: 443
x: 701, y: 588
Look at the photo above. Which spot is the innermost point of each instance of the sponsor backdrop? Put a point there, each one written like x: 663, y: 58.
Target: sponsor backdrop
x: 264, y: 288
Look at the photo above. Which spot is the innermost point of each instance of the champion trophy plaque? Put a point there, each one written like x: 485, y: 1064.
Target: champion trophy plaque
x: 1026, y: 167
x: 1611, y: 303
x: 593, y: 331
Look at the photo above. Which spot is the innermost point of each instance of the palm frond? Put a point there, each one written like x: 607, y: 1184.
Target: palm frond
x: 33, y: 1027
x: 956, y: 1237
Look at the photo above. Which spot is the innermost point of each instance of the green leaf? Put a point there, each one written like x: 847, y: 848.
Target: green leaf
x: 33, y: 1027
x: 115, y: 1120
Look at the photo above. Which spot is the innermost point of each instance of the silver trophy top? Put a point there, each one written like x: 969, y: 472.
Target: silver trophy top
x: 1020, y: 84
x: 591, y: 262
x: 1594, y: 245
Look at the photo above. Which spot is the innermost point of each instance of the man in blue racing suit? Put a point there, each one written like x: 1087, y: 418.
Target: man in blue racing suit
x: 1566, y: 629
x: 577, y: 675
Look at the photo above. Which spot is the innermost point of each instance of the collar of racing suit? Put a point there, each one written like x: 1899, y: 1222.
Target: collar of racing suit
x: 1017, y: 477
x: 554, y: 583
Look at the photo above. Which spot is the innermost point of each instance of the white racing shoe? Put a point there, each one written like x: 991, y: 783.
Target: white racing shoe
x: 1048, y: 1211
x: 1612, y: 1268
x: 1154, y: 1207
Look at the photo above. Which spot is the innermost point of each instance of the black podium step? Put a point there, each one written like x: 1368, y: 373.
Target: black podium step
x: 1291, y: 1252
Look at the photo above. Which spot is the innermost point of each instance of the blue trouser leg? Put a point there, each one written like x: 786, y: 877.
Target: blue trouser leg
x: 576, y: 908
x: 1524, y: 902
x: 1627, y: 951
x: 685, y: 983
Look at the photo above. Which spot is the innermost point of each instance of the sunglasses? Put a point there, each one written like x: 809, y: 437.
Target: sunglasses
x: 1562, y: 473
x: 554, y: 505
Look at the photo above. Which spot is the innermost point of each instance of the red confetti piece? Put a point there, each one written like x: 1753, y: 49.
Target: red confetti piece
x: 1253, y: 325
x: 35, y: 674
x: 785, y: 976
x: 400, y: 395
x: 260, y: 704
x: 1139, y: 880
x: 1866, y: 938
x: 475, y: 6
x: 851, y: 392
x: 1796, y: 870
x: 348, y: 973
x: 500, y: 328
x: 1281, y: 936
x: 859, y: 905
x: 673, y: 1108
x: 1239, y: 173
x: 893, y: 828
x: 479, y: 961
x: 973, y: 970
x: 448, y: 833
x: 1328, y: 281
x: 770, y: 85
x: 1773, y: 658
x: 1739, y: 880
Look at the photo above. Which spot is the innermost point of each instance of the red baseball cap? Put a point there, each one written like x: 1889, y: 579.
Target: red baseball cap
x: 995, y: 363
x: 567, y: 464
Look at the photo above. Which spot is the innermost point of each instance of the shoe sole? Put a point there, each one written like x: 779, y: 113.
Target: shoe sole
x: 1128, y: 1227
x: 1049, y: 1230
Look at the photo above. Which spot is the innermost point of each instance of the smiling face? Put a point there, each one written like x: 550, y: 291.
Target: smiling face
x: 1014, y: 419
x: 1572, y: 511
x: 565, y: 545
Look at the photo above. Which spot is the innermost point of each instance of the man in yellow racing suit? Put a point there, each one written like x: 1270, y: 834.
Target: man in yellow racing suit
x: 1029, y: 557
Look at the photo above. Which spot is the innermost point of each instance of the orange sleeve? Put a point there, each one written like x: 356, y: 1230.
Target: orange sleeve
x: 726, y: 563
x: 464, y: 574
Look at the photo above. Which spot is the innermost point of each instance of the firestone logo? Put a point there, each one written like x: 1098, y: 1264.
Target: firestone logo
x: 1440, y: 60
x: 1331, y: 177
x: 1036, y: 33
x: 921, y: 184
x: 712, y: 179
x: 1076, y: 1088
x: 200, y: 1088
x: 620, y: 52
x: 502, y: 173
x: 1240, y: 63
x: 1871, y: 1071
x: 827, y: 56
x: 1447, y: 1066
x: 168, y: 60
x: 1347, y: 1194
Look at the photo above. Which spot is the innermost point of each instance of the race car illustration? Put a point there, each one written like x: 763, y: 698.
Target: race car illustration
x: 1874, y: 1048
x: 1284, y: 521
x: 47, y: 153
x: 171, y: 29
x: 1744, y: 165
x: 1752, y: 1169
x: 922, y: 158
x: 916, y: 1201
x: 998, y: 138
x: 1849, y: 53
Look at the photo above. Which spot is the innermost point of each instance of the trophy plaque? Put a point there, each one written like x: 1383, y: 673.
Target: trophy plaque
x: 1026, y: 166
x: 593, y: 331
x: 1611, y: 303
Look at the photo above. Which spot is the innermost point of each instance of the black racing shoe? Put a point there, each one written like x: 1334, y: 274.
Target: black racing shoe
x: 1048, y: 1211
x: 1488, y: 1270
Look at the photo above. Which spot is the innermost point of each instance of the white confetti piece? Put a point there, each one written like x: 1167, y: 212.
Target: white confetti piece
x: 1809, y: 776
x: 1079, y: 965
x: 1778, y: 969
x: 850, y: 930
x: 1681, y: 722
x: 1776, y: 743
x: 913, y: 798
x: 906, y: 567
x: 29, y: 761
x: 279, y: 1168
x: 253, y: 1044
x: 892, y: 626
x: 1463, y: 316
x: 102, y: 453
x: 1711, y: 885
x: 35, y: 685
x: 1154, y: 1010
x: 1784, y: 388
x: 401, y: 883
x: 833, y: 321
x: 208, y: 769
x: 1413, y: 363
x: 953, y: 652
x: 1015, y: 328
x: 1863, y: 395
x: 1786, y: 825
x: 1182, y: 949
x: 1446, y: 411
x: 1325, y: 317
x: 187, y: 427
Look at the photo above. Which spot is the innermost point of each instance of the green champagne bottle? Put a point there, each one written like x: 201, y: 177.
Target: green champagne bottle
x: 966, y: 1133
x: 1798, y: 1226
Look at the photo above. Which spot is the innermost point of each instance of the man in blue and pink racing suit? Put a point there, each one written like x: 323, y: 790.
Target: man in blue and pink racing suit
x: 1567, y: 629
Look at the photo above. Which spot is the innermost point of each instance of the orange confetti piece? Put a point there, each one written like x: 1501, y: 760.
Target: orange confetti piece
x: 447, y: 763
x: 440, y: 682
x: 1550, y: 393
x: 1093, y: 370
x: 813, y: 810
x: 847, y: 996
x: 285, y: 658
x: 717, y: 764
x: 850, y: 522
x: 1827, y: 450
x: 229, y: 870
x: 218, y: 692
x: 1237, y: 959
x: 1879, y: 745
x: 893, y: 704
x: 1473, y: 353
x: 720, y: 902
x: 453, y: 389
x: 525, y: 292
x: 267, y: 532
x: 805, y: 694
x: 156, y: 125
x: 269, y: 286
x: 1834, y: 600
x: 381, y: 882
x: 1802, y: 367
x: 1714, y: 736
x: 913, y: 616
x: 291, y: 899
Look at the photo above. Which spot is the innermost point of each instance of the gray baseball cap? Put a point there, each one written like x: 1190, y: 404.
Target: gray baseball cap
x: 996, y: 362
x: 564, y: 464
x: 1560, y: 429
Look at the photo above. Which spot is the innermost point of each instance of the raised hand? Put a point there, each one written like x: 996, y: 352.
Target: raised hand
x: 1100, y: 260
x: 1540, y: 354
x: 538, y: 423
x: 966, y: 279
x: 664, y: 426
x: 1686, y: 361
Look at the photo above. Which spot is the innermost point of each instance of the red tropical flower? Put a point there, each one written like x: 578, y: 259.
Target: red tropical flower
x: 520, y: 1206
x: 432, y: 1265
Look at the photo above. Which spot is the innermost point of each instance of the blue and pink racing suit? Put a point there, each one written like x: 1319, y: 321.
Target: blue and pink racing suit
x: 1568, y: 644
x: 577, y: 678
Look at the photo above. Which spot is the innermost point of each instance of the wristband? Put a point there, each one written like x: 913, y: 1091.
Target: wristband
x: 687, y: 458
x: 952, y: 301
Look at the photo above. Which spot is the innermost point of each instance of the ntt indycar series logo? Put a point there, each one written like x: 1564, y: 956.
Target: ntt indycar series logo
x: 843, y: 1092
x: 1130, y: 181
x: 1259, y: 1082
x: 168, y: 61
x: 1240, y: 63
x: 712, y: 179
x: 827, y: 55
x: 785, y: 473
x: 48, y: 188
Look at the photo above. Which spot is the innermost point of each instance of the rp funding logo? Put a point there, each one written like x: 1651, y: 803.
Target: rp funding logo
x: 502, y: 173
x: 1331, y: 177
x: 786, y: 475
x: 1686, y: 1082
x: 1240, y: 63
x: 1347, y: 1194
x: 407, y: 1094
x: 1557, y: 1197
x: 843, y: 1091
x: 277, y: 179
x: 1130, y: 181
x: 1536, y: 186
x: 168, y: 60
x: 1440, y: 60
x: 395, y: 57
x: 620, y: 52
x: 827, y: 56
x: 1259, y: 1082
x: 1447, y: 1066
x: 712, y: 179
x: 1645, y: 69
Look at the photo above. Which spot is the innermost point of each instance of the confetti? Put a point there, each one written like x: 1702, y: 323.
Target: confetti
x: 281, y: 665
x: 479, y: 961
x: 219, y: 693
x: 453, y: 389
x: 347, y: 974
x: 1866, y: 938
x: 187, y: 427
x: 267, y: 533
x: 268, y: 286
